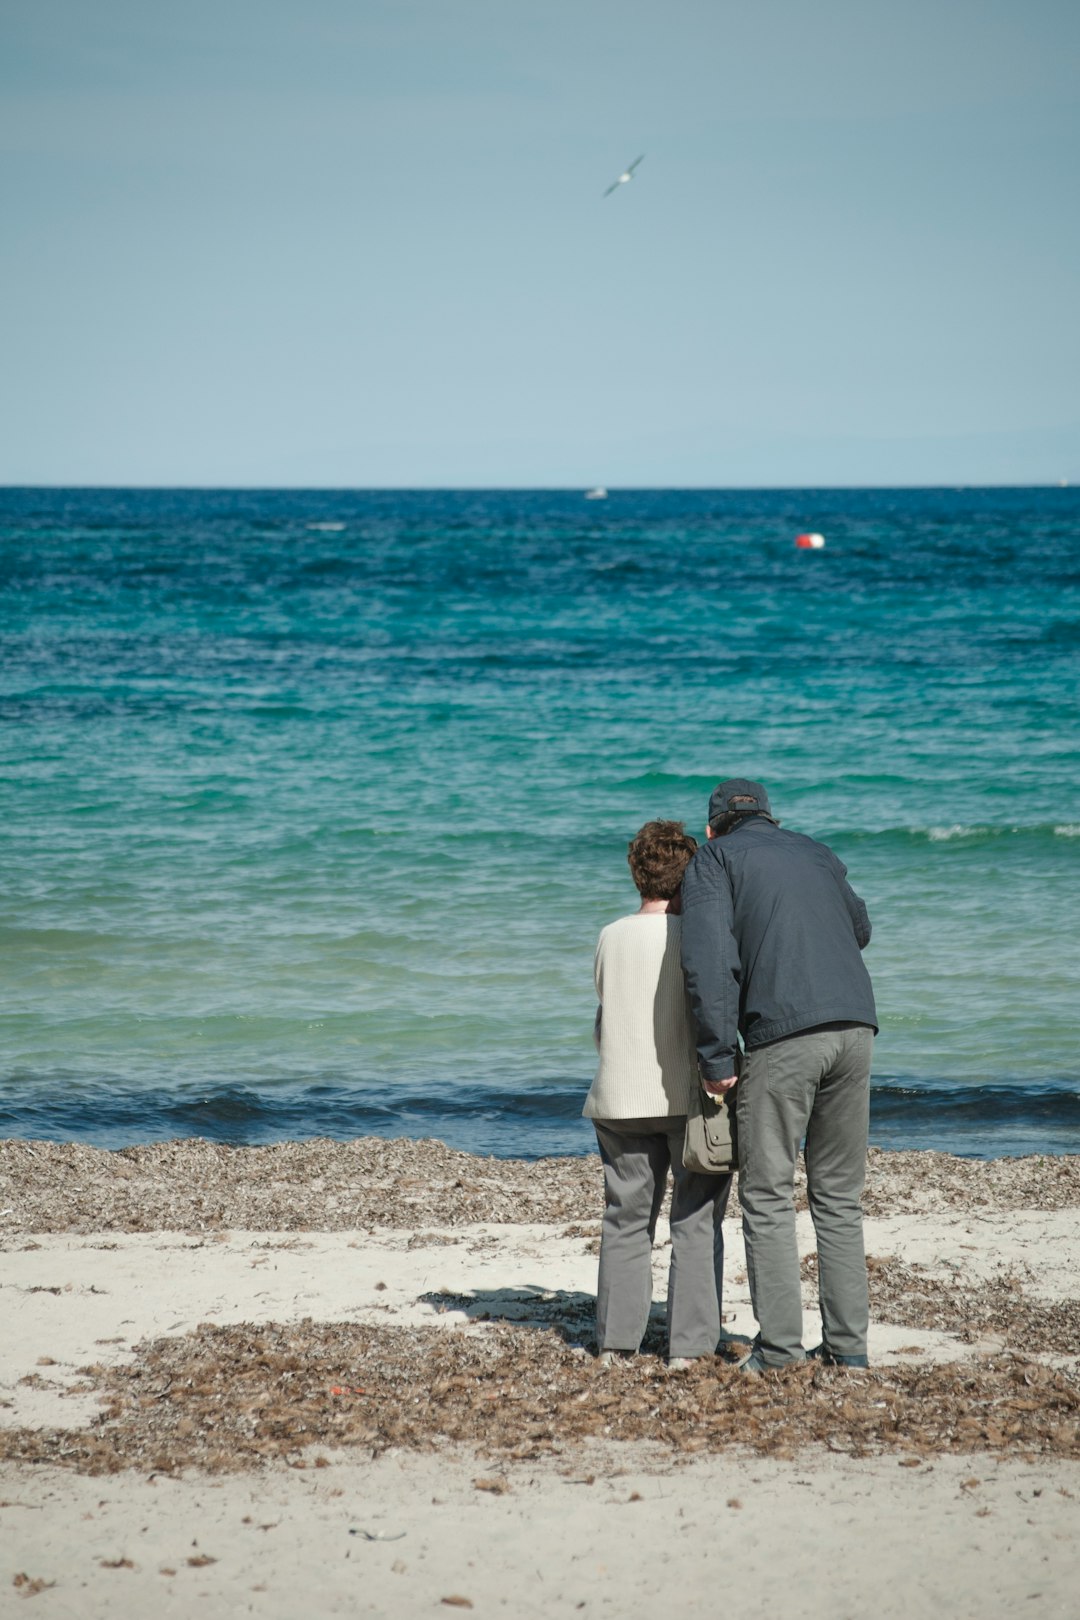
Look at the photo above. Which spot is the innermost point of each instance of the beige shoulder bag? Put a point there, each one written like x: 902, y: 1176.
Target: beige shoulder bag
x: 712, y: 1139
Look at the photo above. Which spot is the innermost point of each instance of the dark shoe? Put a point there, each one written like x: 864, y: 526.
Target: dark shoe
x: 827, y: 1359
x: 754, y: 1364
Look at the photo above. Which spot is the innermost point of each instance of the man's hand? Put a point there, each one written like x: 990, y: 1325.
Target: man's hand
x: 716, y: 1088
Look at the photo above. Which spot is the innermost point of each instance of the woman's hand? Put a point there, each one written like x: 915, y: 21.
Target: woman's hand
x: 716, y: 1088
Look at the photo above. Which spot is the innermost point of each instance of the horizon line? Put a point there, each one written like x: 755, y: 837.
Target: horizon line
x: 529, y: 489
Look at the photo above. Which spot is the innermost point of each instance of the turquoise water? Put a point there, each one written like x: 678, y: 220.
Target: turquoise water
x: 313, y: 803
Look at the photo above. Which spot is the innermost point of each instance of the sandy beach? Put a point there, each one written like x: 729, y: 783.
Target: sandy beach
x: 358, y: 1378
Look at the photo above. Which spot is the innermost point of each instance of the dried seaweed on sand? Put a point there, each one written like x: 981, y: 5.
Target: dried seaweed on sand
x: 228, y: 1398
x: 317, y: 1185
x: 997, y: 1308
x: 320, y: 1185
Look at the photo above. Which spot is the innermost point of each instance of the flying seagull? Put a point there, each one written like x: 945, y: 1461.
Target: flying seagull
x: 627, y: 174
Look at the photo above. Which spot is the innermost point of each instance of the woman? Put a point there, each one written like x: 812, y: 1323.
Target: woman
x: 638, y: 1104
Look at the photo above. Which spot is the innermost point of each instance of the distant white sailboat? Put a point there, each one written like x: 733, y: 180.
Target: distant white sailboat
x: 597, y: 494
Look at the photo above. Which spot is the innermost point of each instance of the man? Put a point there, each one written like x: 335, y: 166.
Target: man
x: 771, y: 941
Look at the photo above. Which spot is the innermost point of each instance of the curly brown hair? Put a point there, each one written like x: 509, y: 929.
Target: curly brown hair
x: 659, y: 855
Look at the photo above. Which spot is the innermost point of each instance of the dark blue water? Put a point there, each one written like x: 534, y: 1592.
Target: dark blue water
x: 313, y: 803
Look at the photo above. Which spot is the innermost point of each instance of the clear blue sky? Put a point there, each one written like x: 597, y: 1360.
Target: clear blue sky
x: 362, y: 242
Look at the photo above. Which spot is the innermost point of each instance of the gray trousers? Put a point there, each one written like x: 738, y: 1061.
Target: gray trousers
x: 637, y: 1154
x: 817, y: 1084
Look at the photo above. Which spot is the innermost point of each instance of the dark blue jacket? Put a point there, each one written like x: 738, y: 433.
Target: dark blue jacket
x: 771, y: 940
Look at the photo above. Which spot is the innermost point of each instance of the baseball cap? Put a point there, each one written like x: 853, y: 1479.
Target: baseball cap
x: 737, y: 795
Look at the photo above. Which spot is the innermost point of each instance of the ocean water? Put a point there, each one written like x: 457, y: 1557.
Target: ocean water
x: 313, y: 803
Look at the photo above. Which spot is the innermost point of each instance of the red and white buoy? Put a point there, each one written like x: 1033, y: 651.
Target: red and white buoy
x: 810, y: 542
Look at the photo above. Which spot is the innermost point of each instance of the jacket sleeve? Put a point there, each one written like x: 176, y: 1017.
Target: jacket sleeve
x: 710, y: 959
x: 860, y: 919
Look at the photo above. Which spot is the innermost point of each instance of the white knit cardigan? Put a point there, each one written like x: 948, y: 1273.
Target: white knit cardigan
x: 648, y: 1062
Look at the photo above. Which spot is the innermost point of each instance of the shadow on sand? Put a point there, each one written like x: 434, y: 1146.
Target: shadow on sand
x: 569, y: 1314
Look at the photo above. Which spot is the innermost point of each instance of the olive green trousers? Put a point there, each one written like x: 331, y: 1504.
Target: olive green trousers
x: 814, y: 1085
